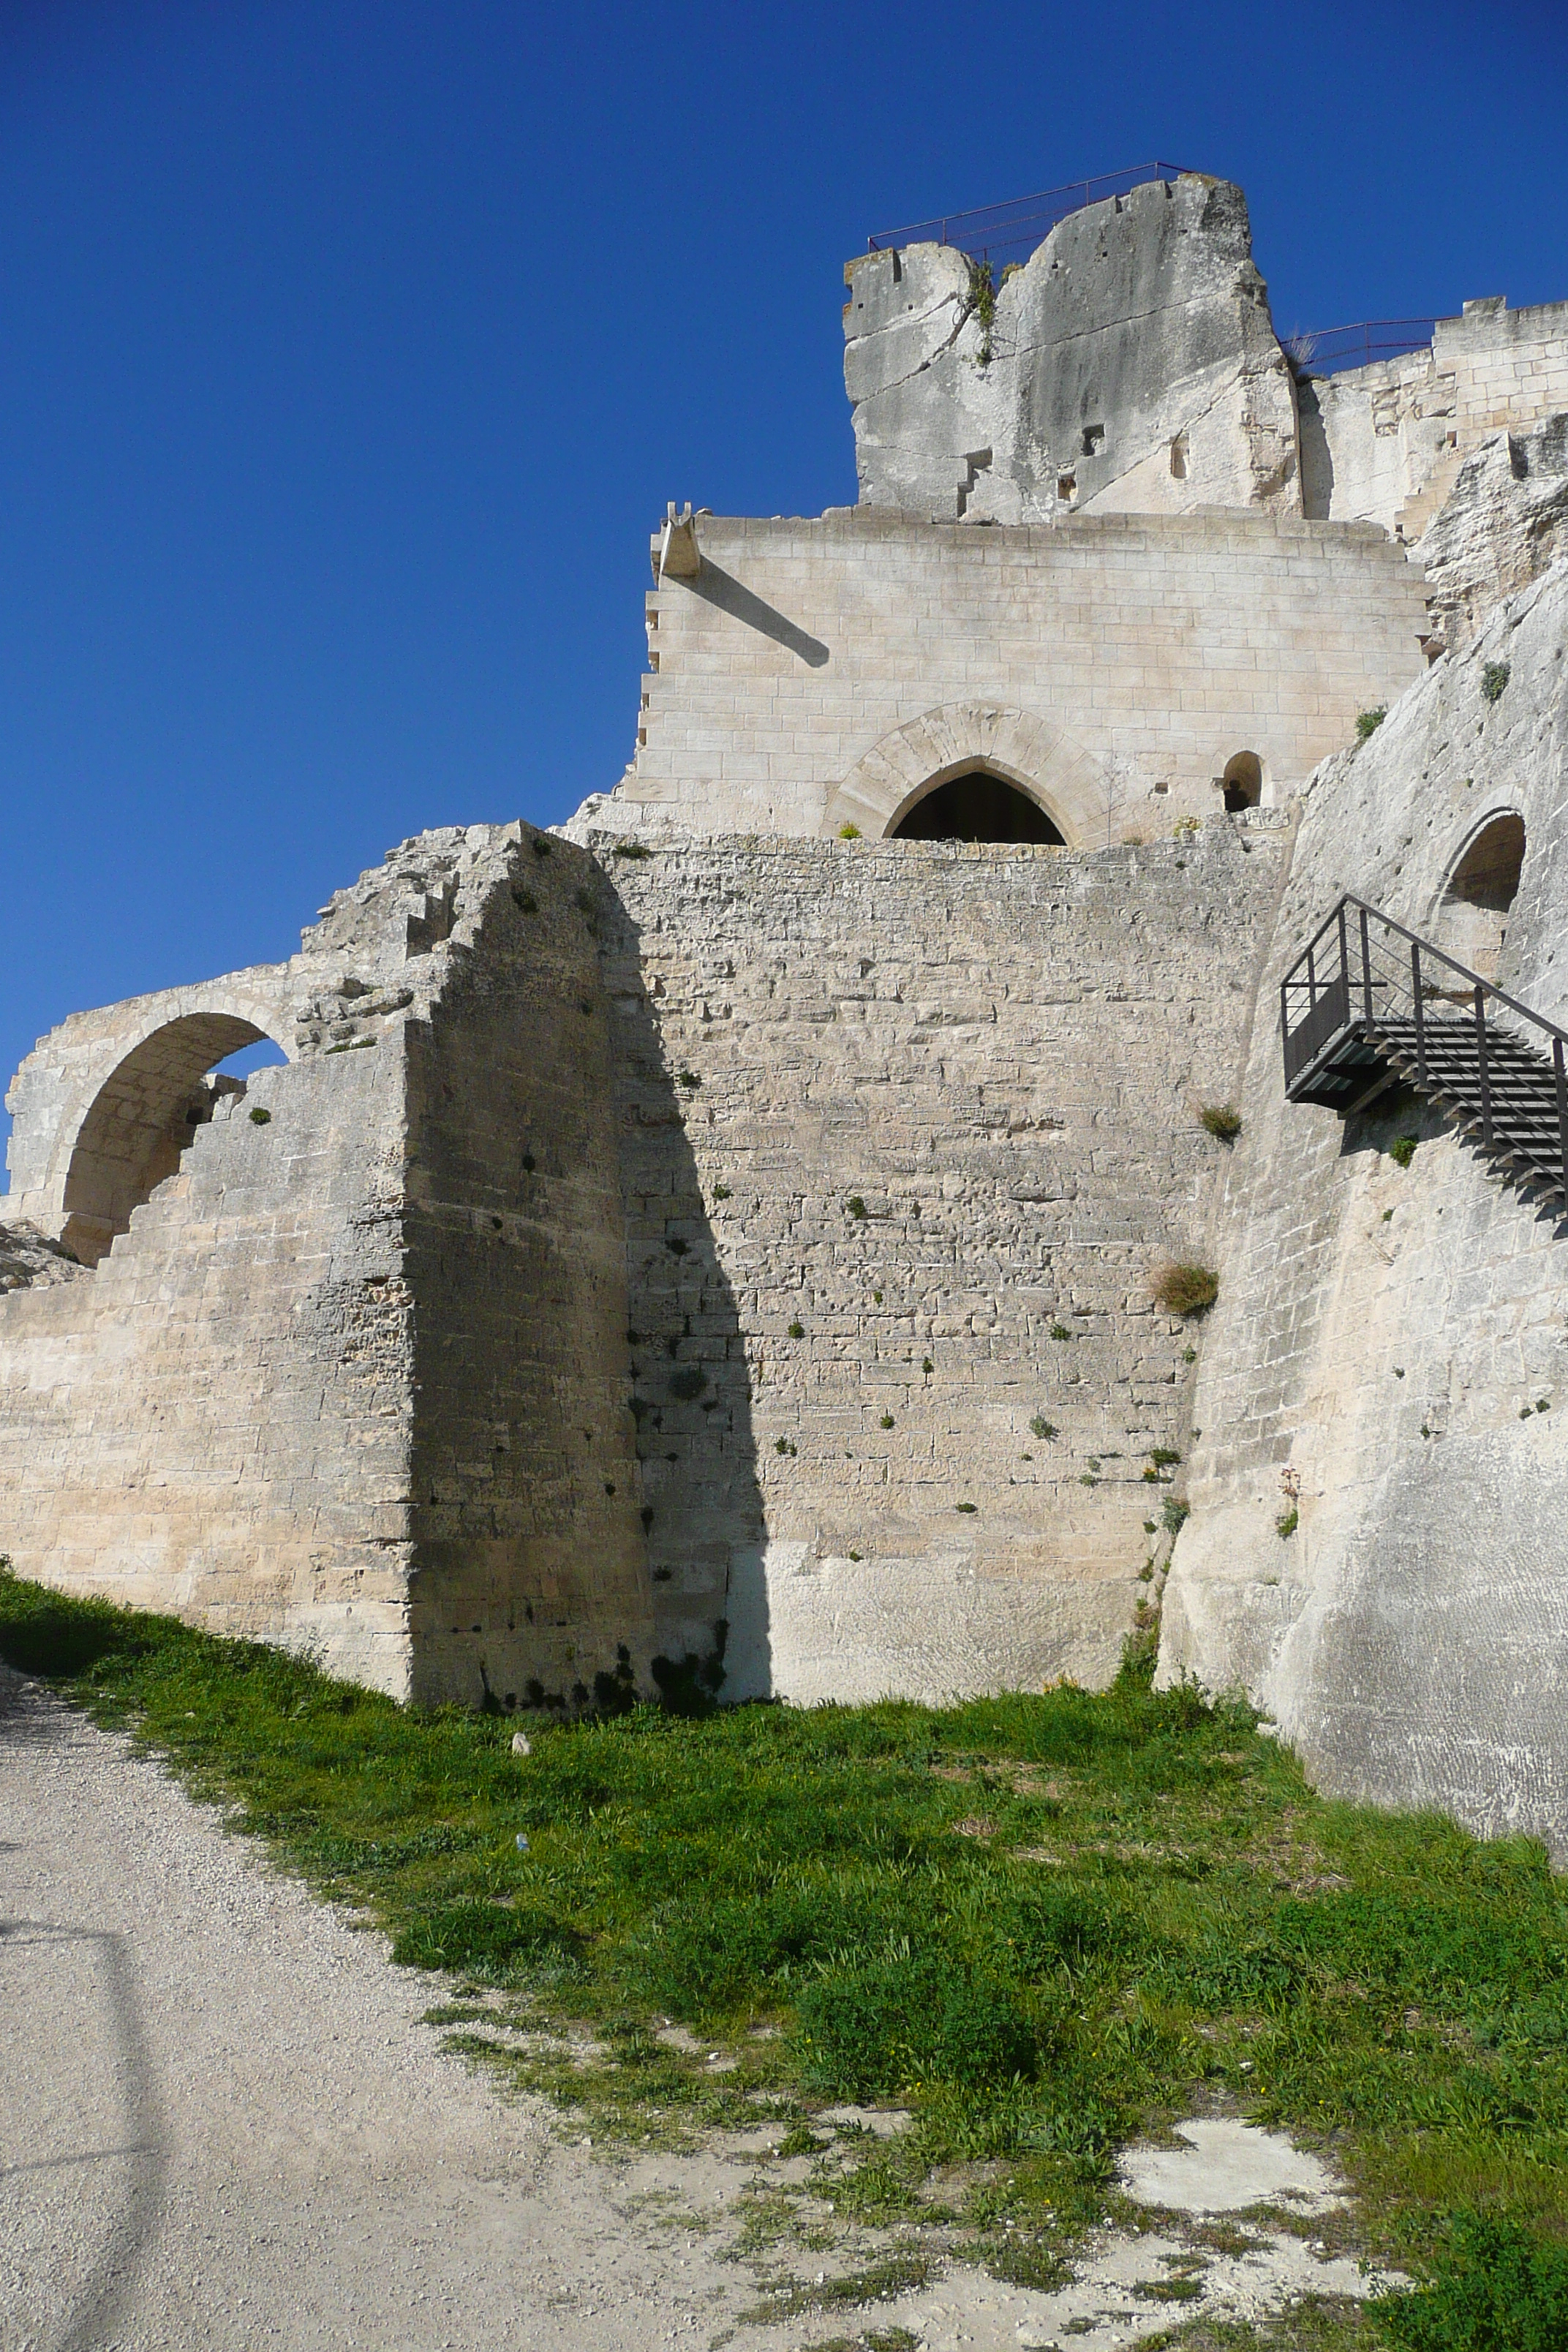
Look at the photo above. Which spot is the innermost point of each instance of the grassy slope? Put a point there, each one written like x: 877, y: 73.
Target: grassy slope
x: 1044, y: 1923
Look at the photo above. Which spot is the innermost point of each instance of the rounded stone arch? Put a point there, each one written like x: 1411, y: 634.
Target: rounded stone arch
x: 1023, y: 748
x: 1469, y: 917
x: 1242, y: 782
x: 142, y: 1112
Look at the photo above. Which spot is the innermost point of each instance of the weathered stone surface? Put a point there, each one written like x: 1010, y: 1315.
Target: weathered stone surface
x: 929, y: 1105
x: 1384, y: 443
x: 1130, y: 364
x: 333, y: 1381
x: 29, y: 1257
x: 823, y: 672
x: 1390, y: 1336
x: 1504, y: 523
x: 673, y: 1275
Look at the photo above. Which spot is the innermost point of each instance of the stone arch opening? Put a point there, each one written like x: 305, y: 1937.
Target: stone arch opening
x: 1472, y: 913
x: 142, y: 1119
x: 976, y: 804
x: 1243, y: 782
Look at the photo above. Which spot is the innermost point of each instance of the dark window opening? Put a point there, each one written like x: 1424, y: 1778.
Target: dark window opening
x: 978, y: 807
x: 1243, y: 782
x: 1487, y: 874
x: 1472, y: 920
x: 1093, y: 435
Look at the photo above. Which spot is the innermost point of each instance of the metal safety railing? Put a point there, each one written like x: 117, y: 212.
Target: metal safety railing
x: 1012, y: 231
x: 995, y: 231
x: 1321, y: 351
x: 1363, y: 976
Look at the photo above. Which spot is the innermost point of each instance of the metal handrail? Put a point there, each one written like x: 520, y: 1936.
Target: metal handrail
x: 1320, y: 1033
x: 1472, y: 979
x: 1322, y: 350
x: 1016, y: 221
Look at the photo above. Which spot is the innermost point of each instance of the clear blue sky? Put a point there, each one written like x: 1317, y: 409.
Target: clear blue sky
x: 349, y: 349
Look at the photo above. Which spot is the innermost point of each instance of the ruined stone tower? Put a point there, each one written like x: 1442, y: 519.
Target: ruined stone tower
x: 713, y: 1244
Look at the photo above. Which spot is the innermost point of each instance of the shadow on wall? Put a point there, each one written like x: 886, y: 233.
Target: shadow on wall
x: 722, y: 589
x: 702, y: 1511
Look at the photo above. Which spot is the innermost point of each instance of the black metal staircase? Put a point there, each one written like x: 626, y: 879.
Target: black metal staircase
x: 1368, y: 1005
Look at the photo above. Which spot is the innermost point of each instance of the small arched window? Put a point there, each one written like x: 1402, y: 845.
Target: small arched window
x: 1472, y: 915
x: 1243, y: 782
x: 976, y: 806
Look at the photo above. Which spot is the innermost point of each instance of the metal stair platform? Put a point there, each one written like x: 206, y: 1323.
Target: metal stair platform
x: 1368, y: 1005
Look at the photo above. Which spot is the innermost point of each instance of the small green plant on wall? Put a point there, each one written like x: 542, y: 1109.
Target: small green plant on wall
x: 1222, y: 1120
x: 1186, y: 1289
x: 982, y: 300
x: 1494, y: 679
x: 1369, y: 722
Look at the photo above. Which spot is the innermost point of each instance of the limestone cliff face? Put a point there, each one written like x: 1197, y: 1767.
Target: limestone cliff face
x: 1130, y: 366
x: 1395, y: 1339
x: 1505, y: 520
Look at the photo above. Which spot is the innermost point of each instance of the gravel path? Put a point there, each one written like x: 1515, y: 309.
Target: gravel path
x: 222, y: 2124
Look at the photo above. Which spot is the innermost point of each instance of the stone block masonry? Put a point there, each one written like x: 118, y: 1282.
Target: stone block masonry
x: 1127, y: 657
x: 906, y: 1128
x: 648, y: 1266
x: 349, y: 1375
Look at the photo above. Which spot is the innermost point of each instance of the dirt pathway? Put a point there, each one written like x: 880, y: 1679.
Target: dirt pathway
x: 222, y: 2124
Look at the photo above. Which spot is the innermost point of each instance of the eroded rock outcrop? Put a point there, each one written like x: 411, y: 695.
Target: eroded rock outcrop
x: 29, y: 1257
x: 1130, y: 366
x: 1504, y: 523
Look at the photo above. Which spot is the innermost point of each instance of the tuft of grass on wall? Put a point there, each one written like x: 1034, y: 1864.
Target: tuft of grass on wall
x: 1045, y: 1923
x: 1186, y: 1289
x: 1222, y: 1120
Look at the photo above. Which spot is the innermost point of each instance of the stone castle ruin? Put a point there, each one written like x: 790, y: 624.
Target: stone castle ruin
x: 716, y: 1245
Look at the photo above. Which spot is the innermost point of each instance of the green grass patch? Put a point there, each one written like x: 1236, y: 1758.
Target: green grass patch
x: 1043, y: 1923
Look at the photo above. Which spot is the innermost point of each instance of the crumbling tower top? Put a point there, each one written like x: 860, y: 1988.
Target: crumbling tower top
x: 1129, y: 365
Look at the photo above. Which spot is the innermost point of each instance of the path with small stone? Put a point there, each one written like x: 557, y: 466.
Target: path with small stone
x: 224, y: 2124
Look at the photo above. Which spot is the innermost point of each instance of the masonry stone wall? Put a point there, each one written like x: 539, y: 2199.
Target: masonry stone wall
x: 894, y: 1115
x: 214, y: 1420
x: 1397, y: 1338
x: 529, y: 1574
x: 1143, y: 652
x: 352, y: 1377
x: 1384, y: 443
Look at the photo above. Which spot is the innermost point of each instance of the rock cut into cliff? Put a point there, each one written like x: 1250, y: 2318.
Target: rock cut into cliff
x: 1130, y: 364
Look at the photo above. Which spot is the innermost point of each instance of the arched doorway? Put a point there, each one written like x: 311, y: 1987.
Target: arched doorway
x: 1472, y: 914
x: 1243, y: 782
x: 976, y: 806
x: 141, y: 1121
